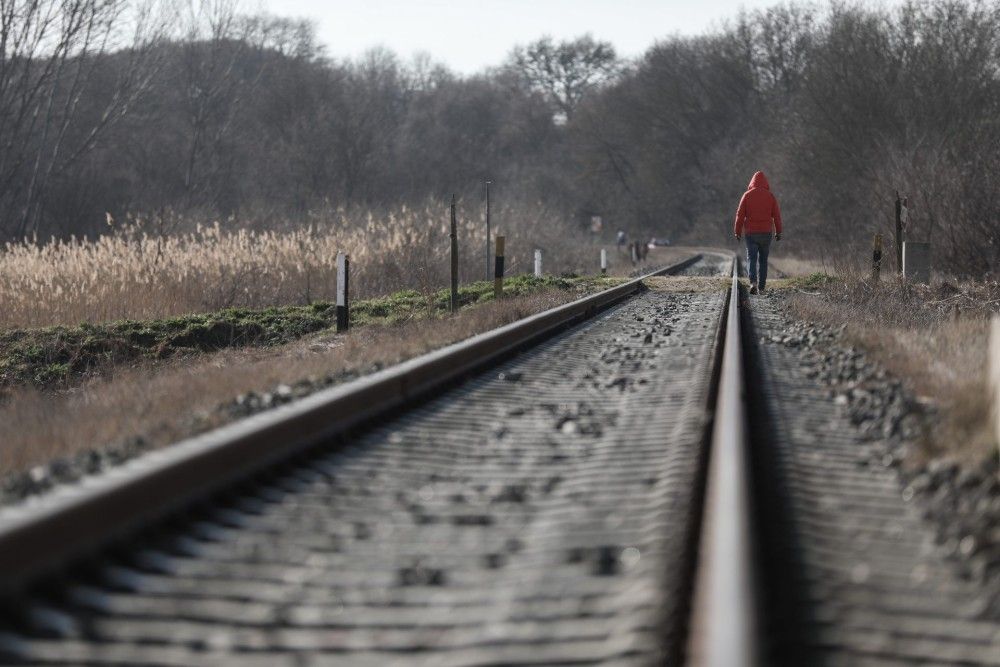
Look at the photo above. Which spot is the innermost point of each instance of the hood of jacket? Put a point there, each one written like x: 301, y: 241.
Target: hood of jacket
x: 759, y: 180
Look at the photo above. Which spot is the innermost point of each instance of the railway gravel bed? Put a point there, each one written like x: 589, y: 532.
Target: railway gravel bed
x: 712, y: 264
x: 542, y: 513
x: 852, y: 569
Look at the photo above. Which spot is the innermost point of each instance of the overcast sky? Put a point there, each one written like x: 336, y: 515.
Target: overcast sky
x: 468, y: 35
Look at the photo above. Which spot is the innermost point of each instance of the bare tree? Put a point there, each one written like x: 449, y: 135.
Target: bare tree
x: 221, y: 65
x: 566, y: 71
x: 50, y: 54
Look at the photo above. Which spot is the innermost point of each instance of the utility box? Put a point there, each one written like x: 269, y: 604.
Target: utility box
x: 917, y: 261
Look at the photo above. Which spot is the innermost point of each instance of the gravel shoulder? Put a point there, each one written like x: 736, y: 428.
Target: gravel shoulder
x: 881, y: 561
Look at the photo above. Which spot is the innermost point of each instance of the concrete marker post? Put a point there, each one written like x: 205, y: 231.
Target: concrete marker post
x: 343, y: 275
x: 538, y: 263
x: 498, y: 269
x: 604, y: 262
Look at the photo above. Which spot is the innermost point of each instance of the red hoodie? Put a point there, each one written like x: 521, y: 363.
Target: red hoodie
x: 757, y: 208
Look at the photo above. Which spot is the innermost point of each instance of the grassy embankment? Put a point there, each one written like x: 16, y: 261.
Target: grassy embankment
x: 56, y: 357
x: 126, y: 387
x: 933, y: 337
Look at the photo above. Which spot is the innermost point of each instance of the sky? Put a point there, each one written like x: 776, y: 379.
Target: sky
x: 469, y: 35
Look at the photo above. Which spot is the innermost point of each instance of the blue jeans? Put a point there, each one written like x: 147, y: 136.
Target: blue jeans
x: 757, y: 247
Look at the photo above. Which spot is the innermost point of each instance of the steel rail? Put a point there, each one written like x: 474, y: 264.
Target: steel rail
x: 724, y: 629
x: 41, y: 535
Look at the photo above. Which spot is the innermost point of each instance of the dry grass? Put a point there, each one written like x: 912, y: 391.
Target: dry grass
x: 183, y: 397
x: 57, y: 358
x: 933, y: 337
x: 797, y: 266
x: 143, y: 272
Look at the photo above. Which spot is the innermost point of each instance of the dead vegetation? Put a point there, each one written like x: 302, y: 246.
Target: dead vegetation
x: 184, y: 397
x: 142, y: 273
x: 785, y: 266
x: 933, y: 337
x: 58, y: 357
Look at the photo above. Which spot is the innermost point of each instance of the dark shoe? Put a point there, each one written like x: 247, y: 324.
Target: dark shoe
x: 760, y: 290
x: 753, y: 288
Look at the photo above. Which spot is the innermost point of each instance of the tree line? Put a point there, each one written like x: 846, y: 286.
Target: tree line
x: 110, y: 108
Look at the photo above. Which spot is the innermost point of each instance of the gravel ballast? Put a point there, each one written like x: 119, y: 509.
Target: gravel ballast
x: 877, y: 560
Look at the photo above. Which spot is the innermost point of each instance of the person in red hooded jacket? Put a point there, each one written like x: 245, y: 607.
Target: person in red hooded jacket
x: 757, y: 215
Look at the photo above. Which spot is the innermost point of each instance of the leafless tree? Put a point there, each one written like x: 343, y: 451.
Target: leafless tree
x: 50, y: 54
x: 221, y: 65
x: 566, y: 71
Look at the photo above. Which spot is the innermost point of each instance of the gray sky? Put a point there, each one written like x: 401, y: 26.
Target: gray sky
x: 468, y: 35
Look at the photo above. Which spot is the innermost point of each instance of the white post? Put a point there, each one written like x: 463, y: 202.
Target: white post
x: 538, y: 263
x: 995, y: 374
x: 604, y: 261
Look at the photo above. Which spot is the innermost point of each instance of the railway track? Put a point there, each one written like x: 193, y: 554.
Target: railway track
x: 587, y: 486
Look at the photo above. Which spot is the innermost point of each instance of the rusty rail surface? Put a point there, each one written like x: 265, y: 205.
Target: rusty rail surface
x: 72, y: 522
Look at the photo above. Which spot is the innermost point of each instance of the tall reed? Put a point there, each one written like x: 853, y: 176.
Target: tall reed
x: 140, y: 271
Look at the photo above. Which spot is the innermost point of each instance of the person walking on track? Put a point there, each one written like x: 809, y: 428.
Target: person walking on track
x: 757, y: 215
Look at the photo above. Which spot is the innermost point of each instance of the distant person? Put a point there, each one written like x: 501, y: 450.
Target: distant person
x: 757, y: 215
x: 621, y: 239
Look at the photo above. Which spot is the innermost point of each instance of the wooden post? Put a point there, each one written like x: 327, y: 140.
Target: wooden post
x: 343, y: 275
x: 498, y: 269
x: 538, y: 263
x: 633, y: 251
x: 876, y: 257
x: 488, y: 230
x: 454, y: 258
x: 604, y: 262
